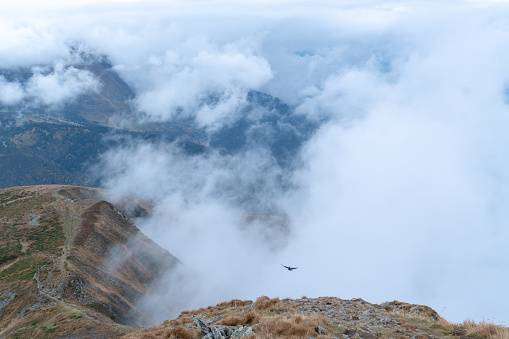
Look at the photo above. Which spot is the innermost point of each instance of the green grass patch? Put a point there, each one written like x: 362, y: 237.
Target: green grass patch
x: 51, y: 328
x: 41, y: 241
x: 103, y: 309
x: 7, y: 258
x: 22, y: 270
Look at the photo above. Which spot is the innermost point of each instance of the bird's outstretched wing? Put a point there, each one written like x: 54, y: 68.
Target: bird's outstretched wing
x: 289, y: 268
x: 285, y: 266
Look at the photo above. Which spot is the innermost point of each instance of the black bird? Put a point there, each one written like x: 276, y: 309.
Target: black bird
x: 289, y: 268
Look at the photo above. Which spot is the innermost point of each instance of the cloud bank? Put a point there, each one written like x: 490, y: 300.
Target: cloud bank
x: 400, y: 194
x: 48, y: 86
x: 185, y: 82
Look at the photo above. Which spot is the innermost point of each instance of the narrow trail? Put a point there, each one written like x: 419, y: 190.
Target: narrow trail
x: 70, y: 212
x: 40, y: 288
x: 4, y: 267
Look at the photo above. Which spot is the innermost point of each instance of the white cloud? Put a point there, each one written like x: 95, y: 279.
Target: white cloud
x: 188, y: 78
x: 408, y: 180
x: 61, y: 85
x: 10, y: 92
x: 49, y: 86
x: 25, y: 44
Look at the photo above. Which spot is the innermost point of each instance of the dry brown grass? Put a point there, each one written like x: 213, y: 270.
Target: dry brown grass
x: 177, y: 332
x: 406, y: 310
x: 296, y: 326
x: 182, y: 320
x: 446, y: 325
x: 234, y: 303
x: 244, y: 318
x: 265, y: 303
x: 183, y: 333
x: 174, y: 328
x: 470, y: 328
x: 485, y: 330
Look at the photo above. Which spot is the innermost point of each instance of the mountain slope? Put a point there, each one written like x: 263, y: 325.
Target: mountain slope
x: 58, y: 272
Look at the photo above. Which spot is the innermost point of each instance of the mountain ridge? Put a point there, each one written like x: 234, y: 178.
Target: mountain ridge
x: 57, y: 243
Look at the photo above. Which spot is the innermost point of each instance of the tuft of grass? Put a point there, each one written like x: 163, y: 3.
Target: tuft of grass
x: 485, y: 330
x: 234, y: 303
x: 296, y: 326
x: 244, y: 318
x: 265, y: 303
x: 182, y: 333
x: 166, y: 331
x: 470, y: 328
x: 446, y: 327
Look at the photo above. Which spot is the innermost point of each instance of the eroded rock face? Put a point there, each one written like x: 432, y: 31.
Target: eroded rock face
x: 81, y: 268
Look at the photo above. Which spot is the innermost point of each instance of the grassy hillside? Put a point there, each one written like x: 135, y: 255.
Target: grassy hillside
x: 55, y: 275
x: 30, y: 234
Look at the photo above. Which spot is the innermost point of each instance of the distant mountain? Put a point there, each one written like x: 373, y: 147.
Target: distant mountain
x: 56, y: 144
x: 60, y: 152
x: 89, y: 108
x: 72, y: 265
x: 113, y: 99
x: 266, y: 121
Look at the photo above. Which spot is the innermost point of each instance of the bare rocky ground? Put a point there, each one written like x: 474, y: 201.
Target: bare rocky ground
x: 326, y: 317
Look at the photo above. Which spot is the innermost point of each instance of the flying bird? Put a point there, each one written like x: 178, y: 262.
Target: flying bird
x: 289, y: 268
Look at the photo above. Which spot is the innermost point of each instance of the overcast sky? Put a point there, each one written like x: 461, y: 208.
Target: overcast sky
x: 402, y: 194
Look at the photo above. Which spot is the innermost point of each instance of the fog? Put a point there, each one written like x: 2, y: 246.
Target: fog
x: 402, y: 191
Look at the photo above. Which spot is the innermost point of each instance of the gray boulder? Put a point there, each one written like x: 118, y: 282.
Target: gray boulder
x: 220, y: 331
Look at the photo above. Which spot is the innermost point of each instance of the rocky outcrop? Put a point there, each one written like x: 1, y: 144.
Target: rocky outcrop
x: 222, y: 331
x: 325, y: 317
